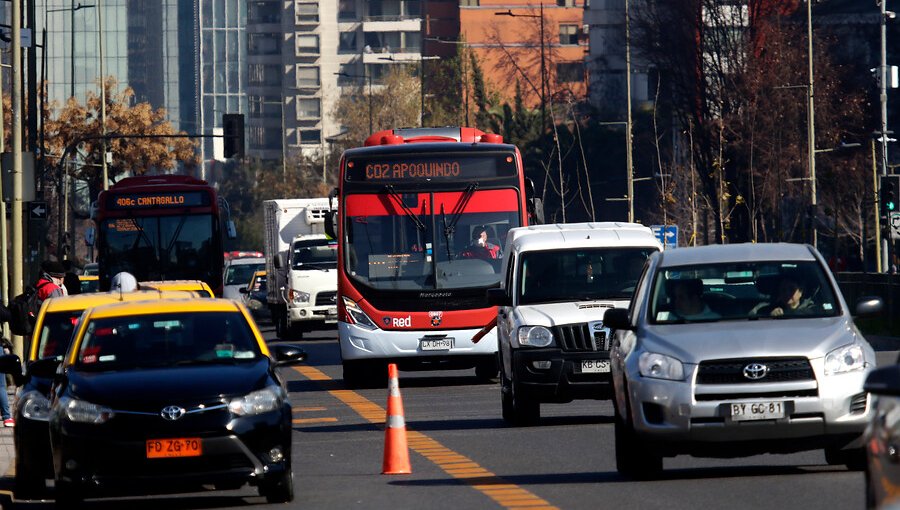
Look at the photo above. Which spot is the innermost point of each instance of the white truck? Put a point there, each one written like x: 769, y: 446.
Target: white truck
x: 301, y: 264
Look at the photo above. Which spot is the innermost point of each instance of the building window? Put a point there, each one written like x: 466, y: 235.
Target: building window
x: 262, y: 138
x: 307, y: 12
x: 307, y: 77
x: 346, y: 10
x: 568, y: 72
x: 347, y: 42
x: 565, y: 3
x: 393, y: 10
x: 310, y: 137
x: 307, y: 43
x: 262, y: 44
x: 264, y: 106
x: 309, y: 108
x: 469, y: 3
x: 568, y: 34
x: 262, y: 75
x: 263, y: 12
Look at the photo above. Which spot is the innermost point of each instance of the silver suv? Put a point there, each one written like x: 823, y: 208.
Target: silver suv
x: 736, y: 350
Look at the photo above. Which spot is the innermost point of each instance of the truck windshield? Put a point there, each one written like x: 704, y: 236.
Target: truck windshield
x: 459, y: 247
x: 314, y: 254
x: 580, y: 274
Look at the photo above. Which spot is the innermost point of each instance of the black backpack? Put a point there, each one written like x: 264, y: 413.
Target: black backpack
x: 21, y: 320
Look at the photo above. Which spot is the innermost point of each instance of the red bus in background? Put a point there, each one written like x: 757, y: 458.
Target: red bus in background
x: 162, y: 227
x: 421, y: 220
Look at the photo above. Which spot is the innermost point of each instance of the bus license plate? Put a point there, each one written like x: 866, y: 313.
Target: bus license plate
x: 436, y: 344
x: 174, y: 447
x: 594, y: 366
x: 757, y: 411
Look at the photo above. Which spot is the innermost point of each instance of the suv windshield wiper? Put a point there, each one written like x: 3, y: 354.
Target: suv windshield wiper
x: 412, y: 216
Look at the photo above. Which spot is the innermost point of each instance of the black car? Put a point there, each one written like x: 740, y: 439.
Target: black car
x: 168, y: 396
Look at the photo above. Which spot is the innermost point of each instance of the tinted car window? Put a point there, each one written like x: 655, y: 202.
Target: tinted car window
x: 166, y: 339
x: 238, y: 274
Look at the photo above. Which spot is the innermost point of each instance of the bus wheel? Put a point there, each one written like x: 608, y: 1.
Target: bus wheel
x: 487, y: 369
x: 365, y: 374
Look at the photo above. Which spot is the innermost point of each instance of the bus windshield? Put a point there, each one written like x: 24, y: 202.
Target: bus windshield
x: 424, y: 241
x: 161, y: 247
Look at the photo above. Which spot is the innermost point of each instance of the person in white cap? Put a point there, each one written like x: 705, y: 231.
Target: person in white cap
x: 123, y: 282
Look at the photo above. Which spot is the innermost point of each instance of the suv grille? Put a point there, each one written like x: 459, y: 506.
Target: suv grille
x: 578, y: 338
x: 326, y: 298
x: 732, y: 371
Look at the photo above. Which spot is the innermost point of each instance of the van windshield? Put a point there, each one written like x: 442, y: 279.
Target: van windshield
x: 583, y: 274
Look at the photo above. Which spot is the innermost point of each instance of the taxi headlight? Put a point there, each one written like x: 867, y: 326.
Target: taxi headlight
x: 660, y: 366
x: 535, y: 336
x: 844, y: 359
x: 34, y: 406
x: 81, y: 411
x: 356, y: 315
x: 258, y: 402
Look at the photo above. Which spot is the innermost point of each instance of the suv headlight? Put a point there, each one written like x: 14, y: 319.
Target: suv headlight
x: 35, y: 406
x: 81, y: 411
x: 258, y: 402
x: 298, y: 296
x: 844, y: 359
x: 535, y: 336
x: 356, y: 315
x: 660, y: 366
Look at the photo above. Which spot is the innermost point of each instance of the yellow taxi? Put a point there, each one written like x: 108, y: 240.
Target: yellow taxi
x: 180, y: 394
x: 192, y: 285
x: 53, y: 329
x: 89, y: 283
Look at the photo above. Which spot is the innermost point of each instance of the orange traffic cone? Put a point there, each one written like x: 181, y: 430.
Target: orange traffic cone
x: 396, y: 450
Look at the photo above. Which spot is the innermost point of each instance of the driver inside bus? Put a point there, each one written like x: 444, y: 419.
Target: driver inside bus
x: 479, y: 247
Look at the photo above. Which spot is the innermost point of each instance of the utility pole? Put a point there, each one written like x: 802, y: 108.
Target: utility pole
x: 811, y: 128
x: 885, y: 242
x: 18, y: 255
x: 629, y: 164
x: 103, y: 93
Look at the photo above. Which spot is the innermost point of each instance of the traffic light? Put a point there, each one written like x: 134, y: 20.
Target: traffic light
x: 888, y: 194
x: 233, y: 131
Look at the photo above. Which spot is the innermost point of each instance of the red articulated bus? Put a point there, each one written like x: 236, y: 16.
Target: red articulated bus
x: 162, y: 227
x: 421, y: 221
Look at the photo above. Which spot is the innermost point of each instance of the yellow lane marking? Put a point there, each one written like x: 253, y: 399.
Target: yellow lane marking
x: 460, y: 467
x: 314, y: 420
x: 308, y: 409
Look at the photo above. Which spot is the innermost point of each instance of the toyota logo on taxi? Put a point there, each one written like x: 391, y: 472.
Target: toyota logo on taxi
x: 755, y: 371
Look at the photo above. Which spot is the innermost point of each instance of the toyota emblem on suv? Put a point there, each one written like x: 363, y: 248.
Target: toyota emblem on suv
x: 755, y: 371
x: 172, y: 413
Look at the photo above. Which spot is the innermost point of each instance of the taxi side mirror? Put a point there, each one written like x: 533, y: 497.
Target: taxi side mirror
x: 286, y: 354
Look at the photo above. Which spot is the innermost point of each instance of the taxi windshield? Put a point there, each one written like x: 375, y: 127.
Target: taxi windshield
x: 153, y: 340
x: 56, y: 333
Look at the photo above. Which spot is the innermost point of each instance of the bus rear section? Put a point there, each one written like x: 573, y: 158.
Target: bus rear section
x: 420, y: 241
x: 166, y: 227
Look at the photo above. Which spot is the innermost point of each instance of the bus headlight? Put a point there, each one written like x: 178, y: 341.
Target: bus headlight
x: 356, y: 315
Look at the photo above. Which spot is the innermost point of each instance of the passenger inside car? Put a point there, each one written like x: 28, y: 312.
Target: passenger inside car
x: 686, y: 298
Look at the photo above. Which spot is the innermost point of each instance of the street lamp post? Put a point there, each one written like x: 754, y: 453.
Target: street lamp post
x: 811, y: 130
x: 509, y: 12
x: 369, y: 80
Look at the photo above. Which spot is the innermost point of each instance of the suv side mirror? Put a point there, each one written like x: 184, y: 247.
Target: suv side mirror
x: 869, y: 306
x: 617, y: 318
x: 498, y: 297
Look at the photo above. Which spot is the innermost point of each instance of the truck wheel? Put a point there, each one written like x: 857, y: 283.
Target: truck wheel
x: 518, y: 410
x: 634, y: 457
x: 294, y: 332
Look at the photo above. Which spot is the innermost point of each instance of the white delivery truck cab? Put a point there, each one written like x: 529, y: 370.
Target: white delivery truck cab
x: 301, y: 264
x: 559, y: 280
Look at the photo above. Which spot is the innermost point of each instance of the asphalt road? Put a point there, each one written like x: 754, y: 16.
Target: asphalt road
x: 463, y: 456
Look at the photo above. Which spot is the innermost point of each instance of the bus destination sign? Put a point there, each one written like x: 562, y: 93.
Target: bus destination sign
x: 162, y: 199
x: 411, y: 168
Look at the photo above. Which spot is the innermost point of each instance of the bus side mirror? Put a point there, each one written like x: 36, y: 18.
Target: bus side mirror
x: 279, y: 261
x: 230, y: 230
x: 329, y: 218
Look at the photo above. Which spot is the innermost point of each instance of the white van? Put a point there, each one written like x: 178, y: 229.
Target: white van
x: 559, y: 280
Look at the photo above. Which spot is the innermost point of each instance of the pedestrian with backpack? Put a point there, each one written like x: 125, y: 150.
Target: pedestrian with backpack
x: 50, y: 284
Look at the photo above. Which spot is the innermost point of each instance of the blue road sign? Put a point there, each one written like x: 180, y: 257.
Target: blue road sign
x: 667, y: 235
